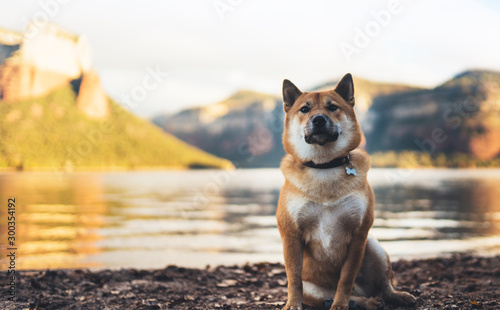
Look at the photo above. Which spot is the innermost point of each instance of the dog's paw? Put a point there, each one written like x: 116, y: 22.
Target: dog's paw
x: 402, y: 299
x: 293, y: 307
x: 373, y: 303
x: 406, y: 299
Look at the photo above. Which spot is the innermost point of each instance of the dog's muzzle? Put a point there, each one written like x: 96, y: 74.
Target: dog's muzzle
x: 321, y: 130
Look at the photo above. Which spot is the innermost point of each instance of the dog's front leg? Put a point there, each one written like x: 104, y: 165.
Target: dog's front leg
x: 350, y: 270
x: 293, y: 254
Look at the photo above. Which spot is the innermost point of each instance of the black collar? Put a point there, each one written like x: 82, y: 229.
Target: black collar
x: 331, y: 164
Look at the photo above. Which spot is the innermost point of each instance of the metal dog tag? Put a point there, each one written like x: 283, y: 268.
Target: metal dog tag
x: 350, y: 171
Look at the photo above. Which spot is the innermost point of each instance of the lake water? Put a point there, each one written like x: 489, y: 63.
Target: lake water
x: 204, y: 217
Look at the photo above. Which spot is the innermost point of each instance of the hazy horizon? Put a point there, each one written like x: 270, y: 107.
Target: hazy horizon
x: 210, y: 49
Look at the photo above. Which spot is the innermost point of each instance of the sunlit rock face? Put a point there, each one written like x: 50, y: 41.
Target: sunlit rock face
x: 40, y: 60
x: 92, y: 99
x: 459, y: 116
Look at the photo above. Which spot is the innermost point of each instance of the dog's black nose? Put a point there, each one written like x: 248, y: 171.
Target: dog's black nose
x: 319, y: 121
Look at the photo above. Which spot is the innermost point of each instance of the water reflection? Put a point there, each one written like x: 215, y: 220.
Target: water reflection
x: 57, y: 220
x: 194, y: 218
x: 457, y: 209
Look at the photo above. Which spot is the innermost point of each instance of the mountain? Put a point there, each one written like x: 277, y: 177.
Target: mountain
x: 366, y: 91
x: 246, y: 128
x: 460, y: 116
x: 453, y: 124
x: 54, y: 113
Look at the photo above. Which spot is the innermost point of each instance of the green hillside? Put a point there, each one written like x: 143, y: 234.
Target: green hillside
x: 50, y: 133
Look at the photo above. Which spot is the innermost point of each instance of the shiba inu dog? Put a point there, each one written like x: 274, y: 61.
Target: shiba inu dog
x: 325, y: 209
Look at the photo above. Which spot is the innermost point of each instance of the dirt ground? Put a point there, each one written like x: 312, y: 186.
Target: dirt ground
x: 457, y: 282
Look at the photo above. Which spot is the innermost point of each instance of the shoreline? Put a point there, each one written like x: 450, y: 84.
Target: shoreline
x: 460, y: 281
x: 12, y: 170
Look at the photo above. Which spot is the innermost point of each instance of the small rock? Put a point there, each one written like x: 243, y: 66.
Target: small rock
x: 227, y: 283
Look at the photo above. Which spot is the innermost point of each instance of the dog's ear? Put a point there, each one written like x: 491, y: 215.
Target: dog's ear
x: 345, y: 88
x: 290, y: 94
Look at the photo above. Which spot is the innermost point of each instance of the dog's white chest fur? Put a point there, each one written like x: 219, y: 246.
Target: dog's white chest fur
x: 328, y: 224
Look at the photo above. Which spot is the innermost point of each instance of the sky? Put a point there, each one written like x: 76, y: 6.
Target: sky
x: 202, y: 51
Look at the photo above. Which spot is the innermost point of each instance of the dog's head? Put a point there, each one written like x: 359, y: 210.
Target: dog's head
x: 320, y: 126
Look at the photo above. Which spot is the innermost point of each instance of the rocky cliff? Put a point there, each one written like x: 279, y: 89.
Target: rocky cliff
x: 460, y: 116
x: 34, y: 66
x: 245, y: 128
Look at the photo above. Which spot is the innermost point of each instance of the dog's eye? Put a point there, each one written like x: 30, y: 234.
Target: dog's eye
x: 332, y: 108
x: 305, y: 109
